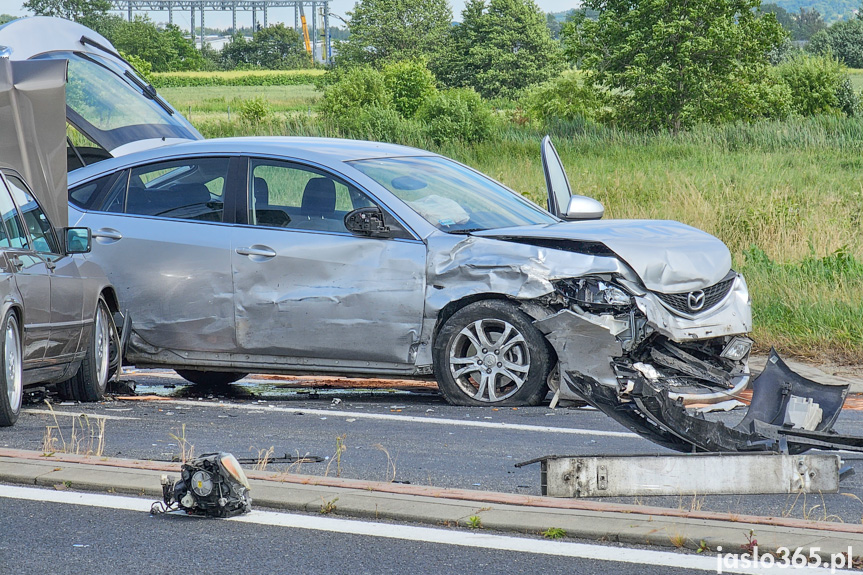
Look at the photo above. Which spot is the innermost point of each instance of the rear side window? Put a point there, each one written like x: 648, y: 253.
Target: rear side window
x: 34, y: 218
x: 88, y: 195
x: 11, y: 229
x: 190, y: 189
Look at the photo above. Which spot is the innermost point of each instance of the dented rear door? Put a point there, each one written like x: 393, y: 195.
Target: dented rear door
x: 306, y: 288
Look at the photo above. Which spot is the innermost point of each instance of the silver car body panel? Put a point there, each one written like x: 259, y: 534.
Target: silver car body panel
x: 55, y: 295
x: 33, y: 130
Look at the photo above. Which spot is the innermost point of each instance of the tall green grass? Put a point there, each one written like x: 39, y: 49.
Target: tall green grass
x: 787, y: 198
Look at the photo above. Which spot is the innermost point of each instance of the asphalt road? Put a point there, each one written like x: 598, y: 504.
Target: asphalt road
x: 386, y: 435
x: 60, y: 539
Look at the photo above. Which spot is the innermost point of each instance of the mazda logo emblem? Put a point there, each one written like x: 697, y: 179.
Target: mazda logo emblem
x: 695, y: 300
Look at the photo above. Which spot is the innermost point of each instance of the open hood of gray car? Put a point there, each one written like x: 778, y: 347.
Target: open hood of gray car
x: 106, y: 100
x: 668, y: 256
x: 32, y: 130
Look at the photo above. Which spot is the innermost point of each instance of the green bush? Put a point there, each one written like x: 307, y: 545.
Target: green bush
x: 217, y: 79
x: 357, y: 89
x: 410, y: 83
x: 568, y: 97
x: 815, y: 83
x: 458, y: 114
x: 847, y: 99
x: 254, y: 110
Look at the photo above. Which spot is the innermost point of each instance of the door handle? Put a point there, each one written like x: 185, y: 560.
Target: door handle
x: 257, y: 251
x: 108, y: 234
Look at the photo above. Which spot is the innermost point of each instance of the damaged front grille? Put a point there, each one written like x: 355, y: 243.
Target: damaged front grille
x: 700, y: 300
x: 682, y: 367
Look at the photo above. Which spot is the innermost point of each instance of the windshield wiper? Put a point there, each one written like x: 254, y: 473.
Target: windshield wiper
x: 148, y: 89
x: 465, y: 231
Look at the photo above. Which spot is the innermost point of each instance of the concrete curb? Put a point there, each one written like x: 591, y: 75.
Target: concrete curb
x: 451, y: 507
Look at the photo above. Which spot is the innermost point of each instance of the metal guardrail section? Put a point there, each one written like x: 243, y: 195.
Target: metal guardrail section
x: 692, y: 474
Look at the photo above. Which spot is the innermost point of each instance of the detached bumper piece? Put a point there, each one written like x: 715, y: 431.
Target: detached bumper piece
x: 788, y: 414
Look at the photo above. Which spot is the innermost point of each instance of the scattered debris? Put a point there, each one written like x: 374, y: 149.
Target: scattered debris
x: 783, y: 405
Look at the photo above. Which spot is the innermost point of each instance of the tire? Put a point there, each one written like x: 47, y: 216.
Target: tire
x: 210, y: 378
x: 12, y: 388
x: 91, y: 381
x: 472, y: 370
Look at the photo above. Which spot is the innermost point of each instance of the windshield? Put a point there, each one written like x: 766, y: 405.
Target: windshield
x: 451, y: 197
x: 109, y: 109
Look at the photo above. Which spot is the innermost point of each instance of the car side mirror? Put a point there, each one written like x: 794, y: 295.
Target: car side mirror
x: 78, y: 241
x: 584, y: 208
x: 367, y: 222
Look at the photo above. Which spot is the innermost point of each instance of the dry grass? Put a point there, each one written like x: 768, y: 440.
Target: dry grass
x: 264, y: 456
x: 85, y: 437
x: 341, y: 447
x: 187, y: 450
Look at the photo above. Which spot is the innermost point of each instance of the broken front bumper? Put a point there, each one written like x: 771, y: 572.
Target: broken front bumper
x: 788, y: 414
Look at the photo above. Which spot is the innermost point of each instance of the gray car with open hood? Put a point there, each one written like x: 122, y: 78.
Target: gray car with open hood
x: 55, y: 307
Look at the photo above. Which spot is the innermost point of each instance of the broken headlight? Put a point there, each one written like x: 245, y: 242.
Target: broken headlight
x: 737, y: 349
x: 593, y: 292
x: 213, y: 485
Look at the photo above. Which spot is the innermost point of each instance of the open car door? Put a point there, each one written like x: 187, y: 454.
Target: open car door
x: 561, y: 202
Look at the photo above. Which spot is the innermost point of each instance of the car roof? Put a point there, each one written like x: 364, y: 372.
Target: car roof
x: 324, y: 151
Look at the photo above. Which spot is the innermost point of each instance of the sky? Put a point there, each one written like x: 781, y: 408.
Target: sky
x: 223, y: 19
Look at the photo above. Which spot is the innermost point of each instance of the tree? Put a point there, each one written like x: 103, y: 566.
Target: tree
x: 785, y: 19
x: 279, y: 48
x: 807, y: 23
x: 274, y: 48
x: 500, y: 48
x: 675, y: 63
x: 76, y: 10
x: 166, y: 50
x: 553, y: 26
x: 391, y: 30
x: 844, y: 40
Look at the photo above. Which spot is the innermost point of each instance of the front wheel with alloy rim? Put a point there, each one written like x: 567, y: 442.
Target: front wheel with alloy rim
x: 490, y: 353
x: 91, y: 381
x: 13, y: 382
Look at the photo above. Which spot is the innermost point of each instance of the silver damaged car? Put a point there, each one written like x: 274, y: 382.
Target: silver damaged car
x: 299, y: 255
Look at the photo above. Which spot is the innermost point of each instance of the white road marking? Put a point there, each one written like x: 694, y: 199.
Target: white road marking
x: 439, y: 536
x: 407, y: 418
x: 74, y: 414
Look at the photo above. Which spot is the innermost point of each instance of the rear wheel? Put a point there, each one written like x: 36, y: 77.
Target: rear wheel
x: 91, y: 381
x: 490, y: 353
x: 12, y: 392
x: 214, y: 378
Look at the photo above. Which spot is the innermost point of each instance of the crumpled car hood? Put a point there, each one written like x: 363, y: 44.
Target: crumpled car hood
x: 668, y: 256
